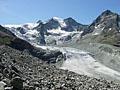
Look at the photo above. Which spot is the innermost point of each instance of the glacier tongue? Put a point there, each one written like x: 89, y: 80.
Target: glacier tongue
x: 82, y: 63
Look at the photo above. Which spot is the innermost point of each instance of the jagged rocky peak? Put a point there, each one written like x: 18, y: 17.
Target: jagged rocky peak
x: 40, y: 24
x: 106, y: 17
x: 71, y: 21
x: 73, y: 25
x: 54, y: 23
x: 105, y: 29
x: 107, y: 12
x: 106, y: 22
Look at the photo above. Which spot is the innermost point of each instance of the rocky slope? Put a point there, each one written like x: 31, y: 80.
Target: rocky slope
x: 23, y: 71
x: 105, y: 29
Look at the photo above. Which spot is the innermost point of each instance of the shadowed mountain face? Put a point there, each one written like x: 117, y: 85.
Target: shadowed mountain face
x: 5, y: 36
x: 5, y: 31
x: 72, y: 25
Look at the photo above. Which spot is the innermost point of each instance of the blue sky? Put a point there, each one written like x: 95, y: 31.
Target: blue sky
x: 84, y: 11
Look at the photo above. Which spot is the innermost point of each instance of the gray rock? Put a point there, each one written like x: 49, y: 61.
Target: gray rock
x: 17, y: 83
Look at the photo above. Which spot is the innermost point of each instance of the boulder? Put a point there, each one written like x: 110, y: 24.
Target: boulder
x: 17, y: 83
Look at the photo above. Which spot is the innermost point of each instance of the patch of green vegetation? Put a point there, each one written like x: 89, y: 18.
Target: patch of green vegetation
x: 5, y: 40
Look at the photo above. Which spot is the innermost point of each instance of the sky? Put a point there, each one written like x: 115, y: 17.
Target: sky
x: 25, y: 11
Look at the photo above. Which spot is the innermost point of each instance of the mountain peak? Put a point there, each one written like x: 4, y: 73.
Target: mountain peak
x: 107, y: 12
x: 59, y: 20
x: 70, y: 18
x: 71, y: 21
x: 39, y: 21
x: 106, y: 16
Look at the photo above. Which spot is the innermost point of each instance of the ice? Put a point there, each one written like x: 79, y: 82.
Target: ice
x: 82, y: 63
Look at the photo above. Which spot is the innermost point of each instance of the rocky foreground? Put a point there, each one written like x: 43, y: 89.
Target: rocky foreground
x: 21, y: 71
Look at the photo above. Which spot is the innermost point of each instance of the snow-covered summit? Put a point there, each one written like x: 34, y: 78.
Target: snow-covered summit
x: 54, y: 30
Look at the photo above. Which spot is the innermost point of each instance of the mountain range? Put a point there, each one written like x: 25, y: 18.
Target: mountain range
x: 104, y: 29
x: 59, y: 53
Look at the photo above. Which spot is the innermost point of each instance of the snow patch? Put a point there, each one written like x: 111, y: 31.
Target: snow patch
x: 61, y: 32
x: 58, y: 35
x: 110, y: 29
x: 96, y: 34
x: 98, y: 29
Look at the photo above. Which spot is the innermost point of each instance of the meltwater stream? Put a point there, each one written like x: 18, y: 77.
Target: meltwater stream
x: 83, y: 63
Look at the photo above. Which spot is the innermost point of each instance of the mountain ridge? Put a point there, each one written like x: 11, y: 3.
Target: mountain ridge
x: 105, y: 29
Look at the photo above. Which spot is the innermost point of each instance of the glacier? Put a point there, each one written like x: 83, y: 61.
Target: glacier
x: 82, y: 62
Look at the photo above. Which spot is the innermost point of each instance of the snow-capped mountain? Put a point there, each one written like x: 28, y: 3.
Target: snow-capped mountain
x: 54, y: 31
